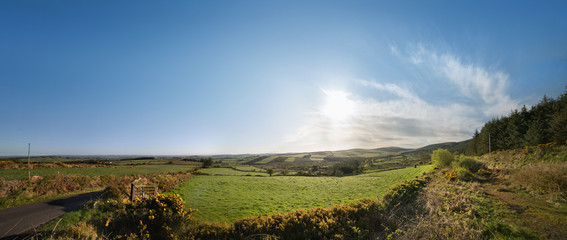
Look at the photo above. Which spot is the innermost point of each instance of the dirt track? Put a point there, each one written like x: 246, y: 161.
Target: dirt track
x: 18, y: 220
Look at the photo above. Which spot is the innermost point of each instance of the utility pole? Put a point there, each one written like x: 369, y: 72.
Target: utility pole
x: 29, y: 166
x: 489, y: 145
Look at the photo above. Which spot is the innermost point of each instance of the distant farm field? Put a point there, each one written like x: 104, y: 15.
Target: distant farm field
x: 226, y: 198
x: 12, y: 174
x: 232, y: 172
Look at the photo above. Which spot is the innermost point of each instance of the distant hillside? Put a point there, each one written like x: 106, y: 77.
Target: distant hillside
x: 393, y: 149
x: 451, y: 146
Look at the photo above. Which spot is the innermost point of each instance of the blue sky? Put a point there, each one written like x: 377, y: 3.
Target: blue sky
x: 212, y: 77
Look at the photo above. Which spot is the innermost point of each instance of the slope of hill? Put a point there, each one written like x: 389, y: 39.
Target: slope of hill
x: 451, y: 146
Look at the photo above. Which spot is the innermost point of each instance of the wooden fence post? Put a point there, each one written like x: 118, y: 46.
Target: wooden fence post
x: 132, y: 192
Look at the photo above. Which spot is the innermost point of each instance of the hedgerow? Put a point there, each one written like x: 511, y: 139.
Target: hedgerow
x: 356, y: 221
x: 116, y: 186
x: 402, y: 193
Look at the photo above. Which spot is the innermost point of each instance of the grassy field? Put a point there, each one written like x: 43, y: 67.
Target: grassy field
x: 231, y: 172
x: 12, y: 174
x: 226, y: 198
x: 249, y: 168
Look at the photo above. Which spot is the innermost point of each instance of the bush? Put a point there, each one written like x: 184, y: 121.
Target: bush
x: 442, y: 158
x: 484, y: 172
x: 158, y: 217
x: 463, y: 174
x: 207, y: 163
x: 471, y: 165
x: 8, y: 165
x: 355, y: 221
x: 402, y: 193
x: 112, y: 192
x: 544, y: 178
x: 459, y: 174
x: 349, y: 167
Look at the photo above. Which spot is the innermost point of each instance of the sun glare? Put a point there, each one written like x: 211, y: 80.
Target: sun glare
x: 337, y: 106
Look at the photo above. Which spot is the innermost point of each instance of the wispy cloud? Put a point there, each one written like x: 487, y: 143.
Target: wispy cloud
x: 407, y: 119
x: 473, y: 80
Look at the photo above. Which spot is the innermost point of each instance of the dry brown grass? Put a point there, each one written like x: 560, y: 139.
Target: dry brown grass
x: 81, y: 230
x: 547, y: 179
x: 443, y: 210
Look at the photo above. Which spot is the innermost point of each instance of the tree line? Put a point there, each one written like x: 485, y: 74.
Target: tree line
x: 543, y: 123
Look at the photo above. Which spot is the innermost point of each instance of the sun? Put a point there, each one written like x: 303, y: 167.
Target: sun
x: 338, y: 106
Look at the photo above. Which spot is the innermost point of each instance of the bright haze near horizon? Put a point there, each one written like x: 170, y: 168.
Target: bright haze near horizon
x: 216, y: 77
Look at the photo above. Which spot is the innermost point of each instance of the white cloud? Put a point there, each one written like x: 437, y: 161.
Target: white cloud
x: 473, y: 81
x: 406, y: 119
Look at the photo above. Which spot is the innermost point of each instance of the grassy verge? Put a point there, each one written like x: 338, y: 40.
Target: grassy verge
x: 520, y: 196
x: 36, y: 199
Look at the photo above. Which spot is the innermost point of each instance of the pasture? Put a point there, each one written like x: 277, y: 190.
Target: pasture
x: 232, y: 172
x: 226, y: 198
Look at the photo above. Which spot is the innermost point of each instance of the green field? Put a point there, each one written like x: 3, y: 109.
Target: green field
x: 226, y: 198
x: 231, y: 172
x: 12, y: 174
x: 249, y: 168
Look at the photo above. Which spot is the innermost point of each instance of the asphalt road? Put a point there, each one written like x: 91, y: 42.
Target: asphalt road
x: 15, y: 222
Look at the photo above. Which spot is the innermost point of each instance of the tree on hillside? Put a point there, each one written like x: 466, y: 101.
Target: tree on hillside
x: 542, y: 123
x: 536, y: 133
x: 270, y: 171
x: 472, y: 147
x: 208, y: 162
x: 442, y: 158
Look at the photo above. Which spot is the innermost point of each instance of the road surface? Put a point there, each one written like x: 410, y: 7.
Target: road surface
x: 19, y: 220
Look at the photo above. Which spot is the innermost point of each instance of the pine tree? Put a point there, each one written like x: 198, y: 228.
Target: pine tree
x: 542, y: 123
x: 558, y: 123
x: 472, y: 146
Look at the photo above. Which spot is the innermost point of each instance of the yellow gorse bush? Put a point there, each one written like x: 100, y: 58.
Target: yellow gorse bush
x: 157, y: 217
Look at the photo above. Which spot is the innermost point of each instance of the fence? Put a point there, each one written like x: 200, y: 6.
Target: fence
x: 139, y: 192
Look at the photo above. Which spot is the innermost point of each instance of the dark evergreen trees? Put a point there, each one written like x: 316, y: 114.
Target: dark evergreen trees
x: 542, y: 123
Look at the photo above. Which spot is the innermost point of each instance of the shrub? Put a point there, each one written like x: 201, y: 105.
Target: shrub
x: 8, y: 165
x: 83, y: 181
x: 207, y: 163
x: 463, y: 174
x: 169, y: 181
x: 442, y: 158
x: 349, y: 167
x: 459, y: 174
x: 471, y: 165
x: 484, y: 172
x: 157, y: 217
x: 196, y: 172
x: 544, y: 178
x: 402, y: 193
x: 338, y: 222
x: 112, y: 192
x: 56, y: 184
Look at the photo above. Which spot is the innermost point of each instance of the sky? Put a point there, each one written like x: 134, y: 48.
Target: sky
x: 230, y: 77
